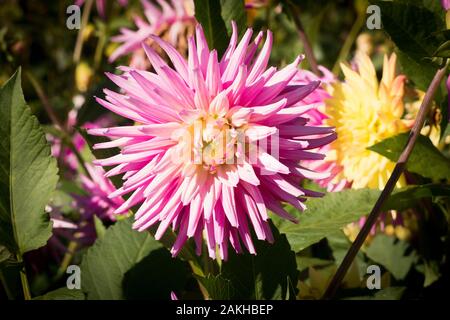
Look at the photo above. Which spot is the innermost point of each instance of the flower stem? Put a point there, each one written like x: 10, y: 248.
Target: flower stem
x: 390, y: 185
x: 24, y: 279
x: 304, y: 39
x: 67, y: 259
x: 345, y: 50
x: 44, y: 100
x: 84, y: 22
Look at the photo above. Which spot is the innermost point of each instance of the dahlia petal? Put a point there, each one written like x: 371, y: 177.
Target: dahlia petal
x: 256, y: 195
x: 181, y: 238
x: 177, y: 59
x: 125, y: 131
x: 258, y: 132
x: 133, y: 200
x: 122, y: 110
x: 239, y: 116
x: 213, y: 81
x: 122, y: 158
x: 219, y: 105
x: 151, y: 144
x: 209, y: 202
x: 228, y: 204
x: 163, y: 130
x: 237, y: 58
x: 246, y: 173
x: 231, y: 47
x: 253, y: 48
x: 261, y: 61
x: 271, y: 164
x: 261, y: 113
x: 296, y: 131
x: 298, y: 93
x: 274, y: 206
x: 194, y: 215
x: 250, y: 206
x: 210, y: 238
x: 112, y: 144
x: 202, y: 48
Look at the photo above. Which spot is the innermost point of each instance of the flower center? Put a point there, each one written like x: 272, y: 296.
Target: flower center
x: 211, y: 141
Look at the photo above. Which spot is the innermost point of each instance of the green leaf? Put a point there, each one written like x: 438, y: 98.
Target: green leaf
x: 271, y: 274
x: 339, y: 244
x: 324, y: 216
x: 5, y: 255
x: 100, y: 228
x: 406, y: 198
x: 393, y: 254
x: 155, y: 277
x: 443, y: 50
x: 411, y: 27
x: 106, y: 262
x: 62, y: 294
x: 431, y: 272
x: 425, y: 158
x: 421, y: 73
x: 28, y: 173
x: 390, y: 293
x: 234, y: 10
x: 218, y: 288
x: 306, y: 262
x: 209, y: 15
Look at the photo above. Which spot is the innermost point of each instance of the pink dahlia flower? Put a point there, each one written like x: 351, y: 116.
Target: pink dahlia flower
x: 101, y: 5
x: 96, y: 185
x: 168, y: 20
x: 217, y: 145
x: 325, y: 171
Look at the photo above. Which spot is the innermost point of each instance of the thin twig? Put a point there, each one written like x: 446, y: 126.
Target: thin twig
x: 304, y: 39
x: 72, y: 247
x: 84, y: 21
x: 44, y: 100
x: 390, y: 185
x: 65, y: 132
x: 359, y: 23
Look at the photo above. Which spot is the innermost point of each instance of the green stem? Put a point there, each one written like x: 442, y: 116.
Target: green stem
x: 309, y: 52
x: 44, y: 99
x: 67, y: 259
x: 389, y: 187
x: 24, y: 279
x: 100, y: 47
x: 197, y: 270
x: 345, y: 50
x: 84, y: 22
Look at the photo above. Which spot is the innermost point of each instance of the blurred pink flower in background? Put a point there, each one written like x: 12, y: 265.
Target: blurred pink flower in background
x: 325, y: 171
x: 254, y: 4
x: 101, y: 5
x: 169, y: 20
x: 94, y: 200
x: 184, y: 163
x: 445, y: 4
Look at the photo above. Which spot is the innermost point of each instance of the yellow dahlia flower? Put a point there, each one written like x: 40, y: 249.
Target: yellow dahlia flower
x: 365, y: 112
